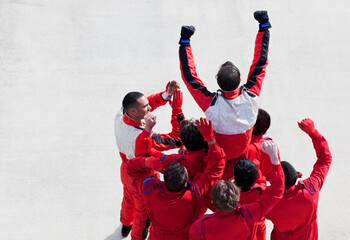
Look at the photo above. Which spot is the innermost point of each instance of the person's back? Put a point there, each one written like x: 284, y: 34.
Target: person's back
x: 217, y: 225
x: 178, y: 209
x: 245, y: 175
x: 294, y: 217
x: 232, y: 110
x: 232, y: 221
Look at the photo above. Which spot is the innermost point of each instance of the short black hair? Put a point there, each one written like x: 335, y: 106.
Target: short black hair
x: 290, y: 174
x: 262, y: 124
x: 228, y: 77
x: 191, y: 136
x: 245, y: 174
x: 225, y: 196
x: 175, y: 177
x: 130, y: 100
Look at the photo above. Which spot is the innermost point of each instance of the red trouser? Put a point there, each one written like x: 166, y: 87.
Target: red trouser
x: 261, y: 231
x: 128, y: 206
x: 133, y: 207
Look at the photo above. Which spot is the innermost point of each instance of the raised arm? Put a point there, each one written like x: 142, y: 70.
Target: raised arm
x: 258, y: 68
x: 188, y: 70
x: 171, y: 140
x: 144, y: 142
x: 271, y: 196
x: 216, y: 158
x: 160, y: 99
x: 324, y: 157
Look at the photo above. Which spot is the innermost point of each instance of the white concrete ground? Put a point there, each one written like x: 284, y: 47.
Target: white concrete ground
x: 65, y: 66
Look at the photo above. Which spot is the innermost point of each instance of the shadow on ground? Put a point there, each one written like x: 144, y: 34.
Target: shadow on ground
x: 116, y: 235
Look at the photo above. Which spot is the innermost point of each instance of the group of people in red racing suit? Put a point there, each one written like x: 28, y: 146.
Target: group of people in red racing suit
x: 225, y: 162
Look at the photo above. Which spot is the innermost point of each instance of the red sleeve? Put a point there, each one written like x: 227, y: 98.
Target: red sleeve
x: 138, y: 171
x: 156, y: 101
x: 258, y: 68
x: 151, y: 144
x: 269, y: 198
x: 214, y: 169
x: 136, y: 165
x: 162, y: 142
x: 266, y: 165
x: 324, y: 160
x: 189, y: 75
x: 143, y: 145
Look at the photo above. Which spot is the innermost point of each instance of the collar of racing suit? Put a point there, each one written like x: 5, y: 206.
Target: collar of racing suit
x: 257, y: 138
x: 229, y: 95
x: 128, y: 120
x: 291, y: 189
x: 224, y: 213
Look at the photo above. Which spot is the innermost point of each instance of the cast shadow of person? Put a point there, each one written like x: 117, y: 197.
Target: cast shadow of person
x: 116, y: 235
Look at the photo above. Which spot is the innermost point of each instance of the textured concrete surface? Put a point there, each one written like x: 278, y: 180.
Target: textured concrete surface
x: 65, y: 66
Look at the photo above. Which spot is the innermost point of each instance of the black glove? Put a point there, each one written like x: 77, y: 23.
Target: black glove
x: 186, y: 33
x: 263, y: 19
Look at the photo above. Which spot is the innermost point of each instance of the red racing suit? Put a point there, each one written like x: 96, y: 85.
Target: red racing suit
x: 127, y: 132
x: 294, y: 217
x: 250, y: 196
x: 242, y: 222
x: 172, y: 213
x: 233, y: 114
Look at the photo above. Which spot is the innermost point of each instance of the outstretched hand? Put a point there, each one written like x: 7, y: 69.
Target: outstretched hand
x: 171, y: 87
x: 177, y: 100
x: 270, y: 148
x: 176, y: 103
x: 206, y: 129
x: 307, y: 125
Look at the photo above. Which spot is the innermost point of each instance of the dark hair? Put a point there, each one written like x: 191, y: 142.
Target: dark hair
x: 228, y: 77
x: 245, y: 173
x: 190, y: 136
x: 263, y: 122
x: 175, y: 177
x: 225, y: 196
x: 290, y: 175
x: 130, y: 100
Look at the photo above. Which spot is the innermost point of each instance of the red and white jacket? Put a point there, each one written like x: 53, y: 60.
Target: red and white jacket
x: 127, y: 131
x: 233, y: 114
